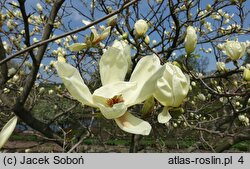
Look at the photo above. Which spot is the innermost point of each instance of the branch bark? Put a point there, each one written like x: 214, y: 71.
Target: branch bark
x: 19, y: 108
x: 4, y: 67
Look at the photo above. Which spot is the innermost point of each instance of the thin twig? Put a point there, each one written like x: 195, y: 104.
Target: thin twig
x: 68, y: 33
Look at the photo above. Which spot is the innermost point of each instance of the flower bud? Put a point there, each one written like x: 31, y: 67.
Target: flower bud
x: 220, y: 46
x: 41, y: 90
x: 193, y: 83
x: 175, y: 125
x: 190, y: 40
x: 39, y: 7
x: 147, y: 40
x: 201, y: 97
x: 246, y: 74
x: 141, y: 27
x: 7, y: 130
x: 112, y: 20
x: 61, y: 59
x: 208, y: 7
x: 159, y: 1
x: 242, y: 118
x: 15, y: 78
x: 221, y: 66
x: 51, y: 92
x: 11, y: 71
x: 125, y: 35
x: 154, y: 42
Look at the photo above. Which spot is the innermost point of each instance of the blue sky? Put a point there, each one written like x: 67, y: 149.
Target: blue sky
x: 77, y: 22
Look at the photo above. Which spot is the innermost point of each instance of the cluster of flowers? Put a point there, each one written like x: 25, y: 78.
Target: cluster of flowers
x: 244, y: 119
x: 166, y: 83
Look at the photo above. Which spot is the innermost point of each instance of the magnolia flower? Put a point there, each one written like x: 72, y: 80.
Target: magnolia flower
x: 190, y: 40
x: 93, y: 40
x: 116, y: 95
x: 7, y: 131
x: 141, y: 27
x: 171, y: 89
x: 221, y: 66
x: 234, y: 49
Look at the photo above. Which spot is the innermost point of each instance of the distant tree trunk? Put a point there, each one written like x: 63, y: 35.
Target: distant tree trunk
x: 134, y: 145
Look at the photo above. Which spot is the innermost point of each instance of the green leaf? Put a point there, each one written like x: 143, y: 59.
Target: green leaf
x: 92, y: 36
x: 197, y: 56
x: 148, y: 106
x: 177, y: 111
x: 77, y: 47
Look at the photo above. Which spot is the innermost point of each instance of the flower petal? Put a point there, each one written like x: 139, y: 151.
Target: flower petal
x: 105, y: 33
x: 74, y: 83
x: 113, y: 112
x: 172, y: 87
x: 164, y: 116
x: 113, y: 66
x: 77, y: 47
x: 146, y: 72
x: 181, y: 83
x: 132, y: 124
x: 7, y: 131
x: 163, y: 92
x: 125, y: 48
x: 113, y: 89
x: 93, y: 29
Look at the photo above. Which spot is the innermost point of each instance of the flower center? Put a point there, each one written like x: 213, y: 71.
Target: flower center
x: 114, y: 100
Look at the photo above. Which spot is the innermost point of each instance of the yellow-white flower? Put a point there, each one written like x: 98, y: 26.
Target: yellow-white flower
x: 190, y: 39
x: 98, y: 37
x: 116, y: 95
x: 234, y: 49
x: 141, y: 27
x: 7, y: 131
x: 171, y: 89
x: 221, y: 66
x: 93, y: 40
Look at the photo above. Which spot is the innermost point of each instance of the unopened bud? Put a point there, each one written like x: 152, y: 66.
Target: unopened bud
x: 141, y: 27
x: 147, y: 40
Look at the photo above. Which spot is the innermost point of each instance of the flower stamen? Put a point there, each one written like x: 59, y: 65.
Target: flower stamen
x: 114, y: 100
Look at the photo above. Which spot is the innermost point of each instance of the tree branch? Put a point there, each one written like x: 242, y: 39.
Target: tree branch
x: 43, y: 41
